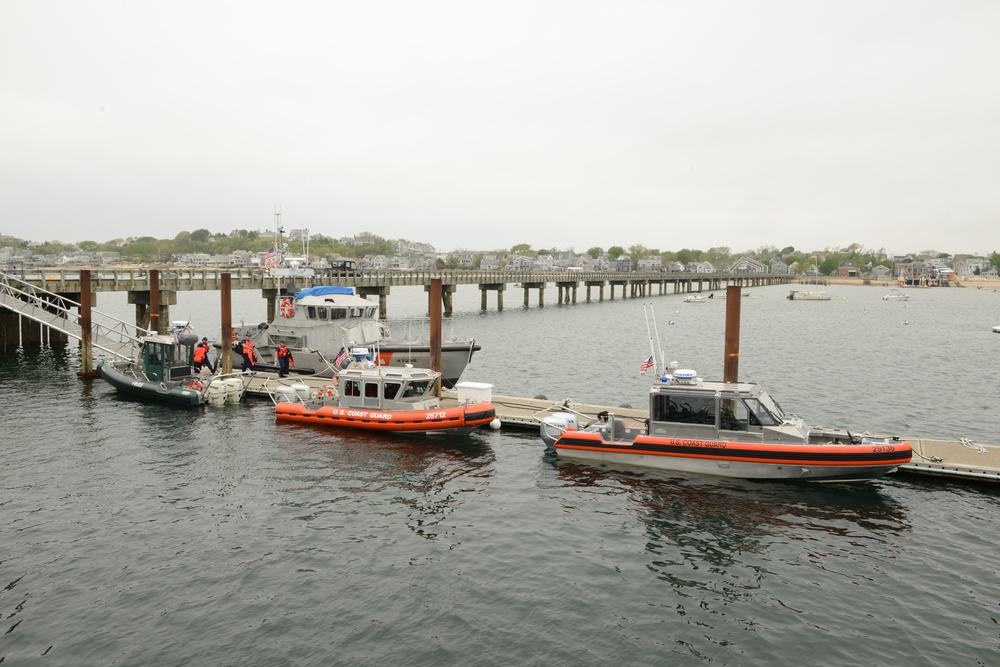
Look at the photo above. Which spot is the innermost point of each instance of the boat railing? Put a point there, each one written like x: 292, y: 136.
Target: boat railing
x: 586, y: 418
x: 293, y: 389
x: 56, y: 311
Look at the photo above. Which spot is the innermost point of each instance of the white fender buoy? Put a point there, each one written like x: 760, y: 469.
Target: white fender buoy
x: 495, y: 424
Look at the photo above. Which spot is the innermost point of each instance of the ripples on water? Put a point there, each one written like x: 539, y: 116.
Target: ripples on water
x: 134, y: 534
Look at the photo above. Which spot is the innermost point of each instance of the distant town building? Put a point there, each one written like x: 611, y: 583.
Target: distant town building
x: 654, y: 263
x: 748, y: 265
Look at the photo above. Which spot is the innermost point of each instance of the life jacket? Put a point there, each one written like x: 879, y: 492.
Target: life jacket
x: 199, y: 354
x: 248, y: 349
x: 283, y: 351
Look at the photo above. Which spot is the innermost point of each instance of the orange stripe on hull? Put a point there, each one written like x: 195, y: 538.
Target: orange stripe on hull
x: 895, y: 453
x: 469, y: 416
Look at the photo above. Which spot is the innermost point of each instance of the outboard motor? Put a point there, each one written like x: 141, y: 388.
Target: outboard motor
x: 555, y: 424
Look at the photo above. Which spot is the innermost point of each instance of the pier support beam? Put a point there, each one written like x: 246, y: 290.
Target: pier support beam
x: 224, y: 362
x: 595, y: 283
x: 492, y: 287
x: 382, y: 292
x: 567, y: 291
x: 10, y: 329
x: 143, y: 303
x: 436, y: 297
x: 270, y: 295
x: 447, y: 297
x: 541, y: 292
x: 86, y: 327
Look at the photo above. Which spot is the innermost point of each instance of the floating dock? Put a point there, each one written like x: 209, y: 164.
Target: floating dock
x: 963, y: 459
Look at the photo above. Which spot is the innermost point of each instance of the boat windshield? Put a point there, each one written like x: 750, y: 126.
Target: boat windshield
x: 766, y: 409
x: 416, y: 389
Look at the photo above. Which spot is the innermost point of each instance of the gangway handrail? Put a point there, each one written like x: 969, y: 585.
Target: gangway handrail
x: 116, y: 334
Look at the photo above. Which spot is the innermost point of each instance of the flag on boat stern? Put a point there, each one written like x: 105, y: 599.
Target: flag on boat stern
x: 270, y: 259
x: 341, y: 356
x: 646, y: 365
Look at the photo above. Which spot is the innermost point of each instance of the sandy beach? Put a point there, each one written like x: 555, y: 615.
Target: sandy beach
x: 973, y: 282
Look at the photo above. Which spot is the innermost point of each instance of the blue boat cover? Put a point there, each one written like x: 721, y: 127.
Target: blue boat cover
x: 323, y: 290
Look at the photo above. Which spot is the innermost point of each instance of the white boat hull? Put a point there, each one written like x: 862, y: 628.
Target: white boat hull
x: 736, y: 469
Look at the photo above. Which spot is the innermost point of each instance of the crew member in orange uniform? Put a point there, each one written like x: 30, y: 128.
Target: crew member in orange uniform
x: 201, y: 356
x: 284, y: 358
x: 249, y: 353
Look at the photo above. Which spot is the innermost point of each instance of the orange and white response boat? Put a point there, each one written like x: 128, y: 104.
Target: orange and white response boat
x: 379, y: 398
x: 731, y: 429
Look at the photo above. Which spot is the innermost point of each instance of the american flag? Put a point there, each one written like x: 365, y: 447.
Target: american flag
x: 270, y: 259
x: 646, y: 365
x: 341, y: 357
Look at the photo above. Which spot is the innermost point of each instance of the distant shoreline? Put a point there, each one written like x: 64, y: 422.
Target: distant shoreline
x: 972, y: 281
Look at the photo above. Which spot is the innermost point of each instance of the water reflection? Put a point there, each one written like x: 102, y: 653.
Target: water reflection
x: 423, y: 479
x: 721, y: 535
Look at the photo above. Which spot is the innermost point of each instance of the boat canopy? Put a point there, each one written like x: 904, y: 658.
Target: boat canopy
x: 323, y: 290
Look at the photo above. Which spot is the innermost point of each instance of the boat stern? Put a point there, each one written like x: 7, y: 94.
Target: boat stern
x: 552, y: 426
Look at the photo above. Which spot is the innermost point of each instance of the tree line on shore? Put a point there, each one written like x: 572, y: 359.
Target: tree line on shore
x: 150, y: 249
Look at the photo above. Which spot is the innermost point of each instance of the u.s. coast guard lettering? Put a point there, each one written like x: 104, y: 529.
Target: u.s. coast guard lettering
x: 365, y: 414
x: 715, y: 444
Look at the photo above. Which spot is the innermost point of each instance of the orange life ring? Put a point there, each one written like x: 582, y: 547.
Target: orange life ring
x: 286, y: 308
x: 194, y: 384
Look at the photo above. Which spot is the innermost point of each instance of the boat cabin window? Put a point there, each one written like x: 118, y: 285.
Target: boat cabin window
x: 416, y: 389
x: 321, y: 311
x: 338, y: 313
x: 370, y: 312
x: 371, y: 389
x: 390, y: 389
x: 311, y: 312
x: 357, y: 312
x: 733, y: 415
x: 761, y: 415
x: 685, y: 409
x: 160, y: 354
x: 351, y: 388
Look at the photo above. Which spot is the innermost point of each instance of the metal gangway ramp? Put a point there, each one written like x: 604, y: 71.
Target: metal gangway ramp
x: 52, y: 310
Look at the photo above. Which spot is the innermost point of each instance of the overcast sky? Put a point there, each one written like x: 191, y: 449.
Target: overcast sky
x: 481, y: 125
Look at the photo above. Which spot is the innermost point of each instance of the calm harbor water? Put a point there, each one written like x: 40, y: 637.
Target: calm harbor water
x: 133, y: 534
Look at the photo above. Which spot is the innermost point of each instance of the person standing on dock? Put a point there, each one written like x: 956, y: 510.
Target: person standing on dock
x: 201, y: 356
x: 284, y: 358
x: 249, y: 353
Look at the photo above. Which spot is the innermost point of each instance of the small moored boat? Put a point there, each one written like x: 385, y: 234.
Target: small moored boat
x: 399, y: 400
x: 164, y: 372
x: 696, y: 298
x: 895, y: 295
x: 730, y: 429
x: 808, y: 295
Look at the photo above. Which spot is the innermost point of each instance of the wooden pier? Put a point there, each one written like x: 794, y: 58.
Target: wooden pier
x: 139, y: 282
